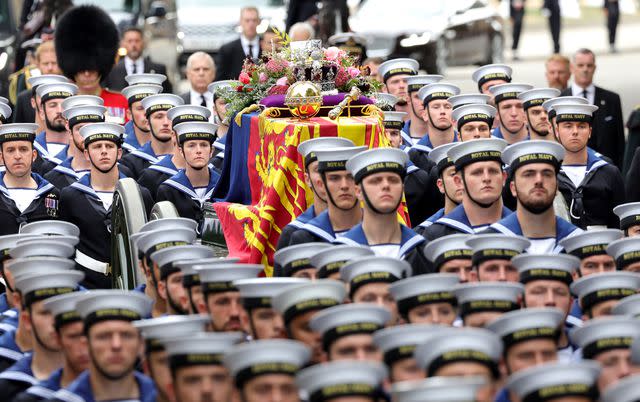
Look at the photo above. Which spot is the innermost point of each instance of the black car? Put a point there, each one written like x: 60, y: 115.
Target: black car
x: 436, y: 33
x: 8, y: 40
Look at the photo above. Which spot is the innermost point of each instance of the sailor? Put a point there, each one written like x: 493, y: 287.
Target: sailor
x: 34, y: 101
x: 451, y: 255
x: 114, y: 346
x: 625, y: 253
x: 219, y: 117
x: 592, y: 248
x: 136, y: 130
x: 394, y: 75
x: 537, y: 116
x: 24, y: 195
x: 197, y: 370
x: 629, y: 216
x: 490, y: 75
x: 329, y: 262
x: 458, y: 101
x: 295, y: 261
x: 481, y: 303
x: 599, y: 293
x: 474, y: 121
x: 89, y: 200
x: 492, y: 254
x: 625, y: 390
x: 513, y: 122
x: 442, y: 389
x: 379, y: 175
x: 550, y: 104
x: 628, y: 306
x: 343, y: 207
x: 479, y: 167
x: 426, y: 299
x: 534, y: 165
x: 416, y: 127
x: 393, y: 122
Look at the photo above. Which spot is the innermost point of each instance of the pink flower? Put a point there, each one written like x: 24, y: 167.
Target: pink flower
x: 262, y: 77
x: 342, y: 54
x: 353, y: 72
x: 332, y: 53
x: 282, y: 81
x: 278, y: 90
x: 244, y: 78
x: 342, y: 77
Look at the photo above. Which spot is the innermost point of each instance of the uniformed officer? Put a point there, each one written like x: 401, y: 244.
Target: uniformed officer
x: 136, y: 129
x: 426, y: 299
x: 451, y: 254
x: 24, y: 195
x: 474, y: 120
x: 490, y: 75
x: 394, y: 75
x: 393, y: 122
x: 219, y: 117
x: 34, y: 100
x: 416, y: 127
x: 513, y: 122
x: 549, y: 107
x: 295, y: 261
x: 537, y: 116
x: 266, y: 369
x: 481, y: 303
x: 328, y: 262
x: 625, y: 253
x: 442, y: 389
x: 592, y: 248
x: 492, y: 256
x: 629, y: 216
x: 599, y: 293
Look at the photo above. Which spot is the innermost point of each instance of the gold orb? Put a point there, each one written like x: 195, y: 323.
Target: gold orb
x: 303, y: 99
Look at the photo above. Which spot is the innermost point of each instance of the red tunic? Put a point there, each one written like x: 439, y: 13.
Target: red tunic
x: 116, y: 105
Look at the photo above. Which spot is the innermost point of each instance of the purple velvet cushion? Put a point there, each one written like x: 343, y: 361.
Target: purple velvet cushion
x: 329, y: 100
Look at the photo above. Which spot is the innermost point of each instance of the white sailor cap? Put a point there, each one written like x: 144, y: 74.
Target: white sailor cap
x: 394, y: 120
x: 8, y: 242
x: 219, y: 278
x: 400, y: 341
x: 38, y: 80
x: 438, y: 389
x: 386, y: 101
x: 188, y: 113
x: 556, y: 267
x: 485, y: 149
x: 625, y: 390
x: 447, y: 248
x: 591, y: 242
x: 63, y: 308
x: 635, y: 352
x: 70, y: 240
x: 415, y: 82
x: 167, y: 256
x: 491, y: 72
x: 574, y: 112
x: 438, y: 155
x: 550, y: 104
x: 297, y: 257
x: 37, y: 287
x: 474, y: 112
x: 629, y: 306
x: 602, y: 334
x: 82, y: 100
x: 270, y: 356
x: 135, y: 93
x: 200, y: 130
x: 5, y: 112
x: 200, y: 348
x: 50, y: 227
x: 398, y: 66
x: 217, y: 86
x: 159, y: 239
x: 533, y: 151
x: 169, y: 224
x: 39, y: 265
x: 423, y: 289
x: 333, y: 380
x: 258, y: 292
x: 42, y: 247
x: 439, y: 90
x: 58, y: 90
x: 300, y: 299
x: 499, y: 297
x: 457, y: 101
x: 378, y: 160
x: 629, y: 214
x: 160, y: 102
x: 145, y: 78
x: 84, y: 114
x: 336, y: 322
x: 509, y: 91
x: 330, y: 260
x: 18, y: 132
x: 454, y: 345
x: 496, y: 247
x: 552, y: 381
x: 374, y: 269
x: 155, y: 330
x: 190, y: 276
x: 4, y: 100
x: 537, y: 96
x: 332, y: 159
x: 527, y: 324
x: 598, y: 288
x: 93, y: 132
x: 308, y: 148
x: 112, y: 304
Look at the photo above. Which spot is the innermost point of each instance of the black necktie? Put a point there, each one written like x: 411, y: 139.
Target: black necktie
x: 135, y: 68
x: 204, y: 101
x: 584, y: 94
x: 250, y: 51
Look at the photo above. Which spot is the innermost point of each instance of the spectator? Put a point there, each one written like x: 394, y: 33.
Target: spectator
x: 269, y: 41
x: 558, y: 71
x: 231, y: 56
x: 200, y: 72
x: 134, y: 62
x: 301, y: 31
x: 300, y: 11
x: 373, y: 63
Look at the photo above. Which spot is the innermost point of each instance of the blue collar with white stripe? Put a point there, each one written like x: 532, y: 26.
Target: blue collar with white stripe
x: 304, y: 217
x: 84, y: 185
x: 594, y: 161
x: 66, y: 168
x: 497, y: 133
x: 166, y: 166
x: 321, y: 226
x: 146, y: 152
x: 40, y: 144
x: 181, y: 182
x: 425, y: 145
x: 20, y: 371
x: 46, y: 389
x: 457, y: 219
x: 9, y: 349
x: 431, y: 220
x: 131, y: 142
x: 80, y: 389
x: 510, y: 226
x: 42, y: 185
x: 408, y: 241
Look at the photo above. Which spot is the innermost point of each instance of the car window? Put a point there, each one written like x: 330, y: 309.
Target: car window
x: 129, y: 6
x: 226, y: 3
x: 5, y: 22
x: 408, y: 8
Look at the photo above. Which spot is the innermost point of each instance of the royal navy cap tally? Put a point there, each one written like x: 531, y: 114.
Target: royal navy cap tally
x: 457, y: 101
x: 269, y: 356
x: 475, y: 112
x: 591, y: 242
x: 628, y: 306
x: 159, y: 239
x: 36, y: 287
x: 50, y: 227
x: 527, y: 324
x: 258, y: 292
x: 398, y: 66
x: 386, y: 101
x: 188, y: 113
x: 5, y: 112
x: 625, y: 390
x: 102, y: 132
x: 400, y: 341
x: 167, y: 256
x: 485, y: 149
x: 58, y: 90
x: 509, y: 91
x: 160, y: 102
x: 377, y: 160
x: 374, y: 269
x: 625, y: 251
x: 18, y: 132
x: 38, y: 80
x: 416, y: 82
x: 439, y: 157
x: 602, y: 334
x: 330, y: 260
x: 437, y: 91
x: 300, y: 299
x: 598, y: 288
x: 40, y: 265
x: 533, y: 151
x: 112, y: 304
x: 297, y: 257
x: 491, y: 72
x: 423, y: 289
x: 556, y: 267
x: 328, y: 381
x: 63, y: 308
x: 574, y: 112
x: 500, y: 297
x: 394, y: 120
x: 145, y: 78
x: 308, y: 148
x: 196, y: 349
x: 82, y: 100
x: 629, y: 214
x: 8, y: 242
x: 447, y: 248
x: 438, y: 389
x: 216, y: 87
x: 84, y: 114
x: 201, y: 130
x: 460, y: 345
x: 219, y: 278
x: 155, y: 330
x: 550, y: 104
x: 136, y: 93
x: 552, y: 381
x: 333, y: 159
x: 190, y: 276
x: 486, y: 247
x: 537, y: 96
x: 42, y: 247
x: 337, y: 322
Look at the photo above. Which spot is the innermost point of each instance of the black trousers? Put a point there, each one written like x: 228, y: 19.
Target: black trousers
x: 517, y: 15
x: 554, y: 24
x: 613, y: 17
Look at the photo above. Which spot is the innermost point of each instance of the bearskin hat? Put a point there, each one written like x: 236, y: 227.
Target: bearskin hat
x: 86, y: 38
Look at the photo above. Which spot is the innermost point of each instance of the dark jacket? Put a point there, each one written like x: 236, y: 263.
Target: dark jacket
x: 454, y: 222
x: 180, y: 192
x: 45, y: 206
x: 23, y: 111
x: 116, y: 82
x: 229, y: 60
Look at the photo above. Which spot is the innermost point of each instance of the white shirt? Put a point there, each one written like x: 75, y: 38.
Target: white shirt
x: 200, y: 191
x: 22, y: 197
x: 128, y: 65
x: 255, y: 46
x: 106, y: 197
x: 196, y: 98
x: 386, y: 250
x: 542, y: 246
x: 591, y: 92
x: 576, y: 173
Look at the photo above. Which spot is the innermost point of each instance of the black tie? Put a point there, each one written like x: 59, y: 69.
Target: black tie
x: 135, y: 68
x: 250, y: 51
x: 584, y: 94
x: 204, y: 101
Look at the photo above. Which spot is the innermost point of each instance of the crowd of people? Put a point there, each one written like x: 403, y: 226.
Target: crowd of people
x: 515, y: 277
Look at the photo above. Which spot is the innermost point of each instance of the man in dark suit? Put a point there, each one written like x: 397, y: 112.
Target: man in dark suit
x: 134, y: 62
x: 231, y: 56
x: 552, y: 8
x: 607, y: 136
x: 516, y: 12
x: 200, y: 72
